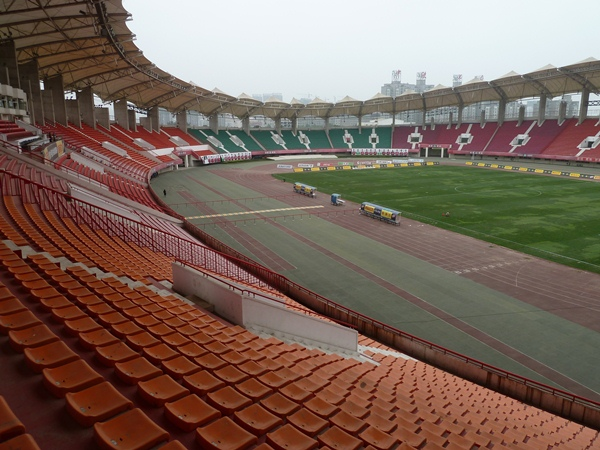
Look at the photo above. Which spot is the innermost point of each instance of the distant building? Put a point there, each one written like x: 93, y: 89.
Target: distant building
x: 396, y: 87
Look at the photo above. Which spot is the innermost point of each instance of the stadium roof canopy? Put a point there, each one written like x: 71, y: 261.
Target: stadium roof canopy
x: 89, y: 43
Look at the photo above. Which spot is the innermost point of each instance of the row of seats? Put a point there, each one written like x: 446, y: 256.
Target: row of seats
x: 230, y: 388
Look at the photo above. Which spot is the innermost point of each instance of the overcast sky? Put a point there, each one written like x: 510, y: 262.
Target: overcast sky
x: 333, y: 48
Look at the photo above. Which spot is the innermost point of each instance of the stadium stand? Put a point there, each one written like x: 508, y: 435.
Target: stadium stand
x: 99, y: 350
x: 85, y: 311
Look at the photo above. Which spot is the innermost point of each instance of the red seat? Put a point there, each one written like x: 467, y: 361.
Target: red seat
x: 10, y: 425
x: 336, y: 438
x: 157, y: 391
x: 70, y: 377
x: 202, y: 382
x: 227, y: 400
x: 97, y: 338
x: 307, y: 422
x: 18, y: 321
x: 288, y: 437
x: 31, y: 337
x: 130, y: 430
x: 256, y: 419
x: 137, y: 369
x: 49, y: 355
x: 99, y: 402
x: 20, y: 442
x: 224, y: 433
x: 111, y: 354
x: 179, y: 367
x: 190, y: 412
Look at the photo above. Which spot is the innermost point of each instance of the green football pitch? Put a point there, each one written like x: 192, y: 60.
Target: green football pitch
x: 547, y: 216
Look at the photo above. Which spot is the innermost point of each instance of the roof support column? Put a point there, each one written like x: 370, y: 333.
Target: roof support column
x: 424, y: 118
x: 181, y: 119
x: 55, y: 87
x: 583, y: 104
x: 30, y: 83
x: 246, y: 125
x: 121, y: 113
x: 521, y: 114
x: 459, y: 117
x: 9, y: 68
x: 294, y: 124
x: 278, y: 125
x: 73, y: 113
x: 154, y: 121
x: 213, y: 123
x: 542, y: 109
x: 482, y: 118
x: 562, y: 112
x: 501, y: 111
x: 102, y: 116
x: 132, y: 119
x: 85, y: 98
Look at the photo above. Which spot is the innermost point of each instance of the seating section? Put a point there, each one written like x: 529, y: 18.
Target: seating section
x: 99, y: 352
x: 12, y: 132
x: 220, y: 386
x: 567, y: 142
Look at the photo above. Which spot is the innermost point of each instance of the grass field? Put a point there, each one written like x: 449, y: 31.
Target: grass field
x: 550, y: 217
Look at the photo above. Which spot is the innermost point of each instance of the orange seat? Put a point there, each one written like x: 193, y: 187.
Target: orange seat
x: 59, y: 301
x: 18, y: 321
x: 93, y: 404
x: 111, y: 354
x: 231, y: 375
x: 10, y: 425
x: 289, y: 437
x: 321, y: 407
x: 159, y: 353
x: 71, y: 312
x: 336, y: 438
x: 157, y: 391
x: 20, y: 442
x: 10, y: 305
x: 70, y: 377
x: 347, y: 422
x: 227, y: 400
x: 176, y: 340
x: 280, y: 405
x: 307, y: 422
x: 97, y: 338
x: 190, y: 412
x: 253, y: 389
x: 131, y: 430
x: 378, y: 439
x: 126, y: 328
x: 140, y: 340
x: 49, y: 355
x: 179, y: 367
x: 202, y: 382
x: 256, y: 419
x: 224, y: 433
x: 112, y: 318
x: 137, y: 369
x: 31, y: 337
x: 83, y: 325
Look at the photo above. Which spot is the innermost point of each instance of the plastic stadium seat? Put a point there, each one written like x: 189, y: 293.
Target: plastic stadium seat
x: 321, y: 407
x: 111, y: 354
x: 157, y: 391
x: 296, y: 393
x: 210, y: 362
x: 289, y: 437
x: 191, y: 349
x: 10, y: 425
x: 49, y: 355
x: 256, y: 419
x: 130, y: 430
x: 10, y: 305
x: 279, y: 405
x: 31, y: 337
x: 137, y: 369
x: 338, y: 439
x: 97, y: 338
x: 378, y: 439
x: 159, y: 353
x: 307, y: 422
x: 253, y: 389
x: 227, y: 400
x: 83, y: 325
x: 20, y: 442
x: 179, y: 367
x: 126, y: 328
x: 231, y: 375
x: 69, y: 313
x: 347, y: 422
x: 190, y: 412
x: 202, y: 382
x: 99, y: 402
x: 140, y: 340
x: 224, y: 433
x: 70, y: 377
x: 18, y: 321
